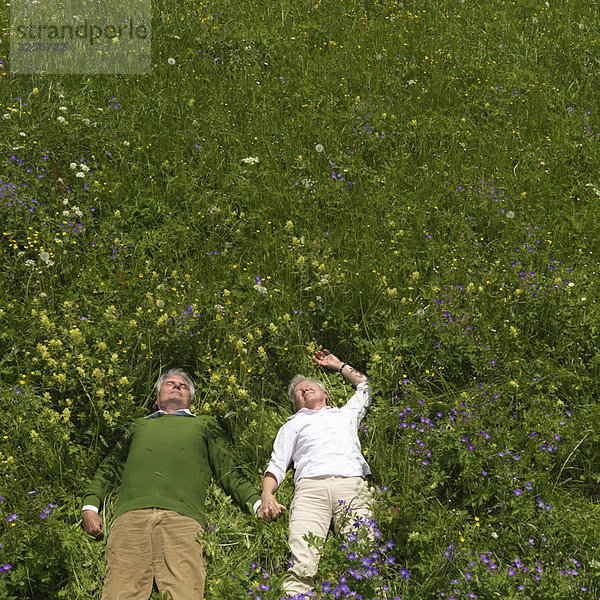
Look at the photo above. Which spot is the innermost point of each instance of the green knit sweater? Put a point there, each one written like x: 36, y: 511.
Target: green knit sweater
x: 167, y: 462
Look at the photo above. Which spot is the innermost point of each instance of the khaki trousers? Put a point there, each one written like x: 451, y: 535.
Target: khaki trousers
x: 154, y: 544
x: 316, y: 502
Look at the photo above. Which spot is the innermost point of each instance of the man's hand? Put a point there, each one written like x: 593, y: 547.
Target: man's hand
x: 324, y: 358
x: 93, y: 524
x: 269, y: 509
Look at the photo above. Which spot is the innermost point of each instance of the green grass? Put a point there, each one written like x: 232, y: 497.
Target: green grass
x: 444, y: 241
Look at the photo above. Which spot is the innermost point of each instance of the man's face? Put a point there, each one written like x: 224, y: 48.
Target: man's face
x: 174, y: 394
x: 308, y: 394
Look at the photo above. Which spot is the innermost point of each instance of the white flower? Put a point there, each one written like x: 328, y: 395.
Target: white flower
x: 411, y: 82
x: 319, y: 148
x: 80, y: 174
x: 126, y: 144
x: 66, y: 213
x: 171, y: 61
x: 534, y: 20
x: 85, y: 168
x: 60, y: 119
x: 44, y: 256
x: 510, y: 214
x: 6, y: 116
x: 251, y: 160
x: 259, y: 288
x: 73, y: 165
x: 160, y: 303
x: 63, y: 108
x: 22, y: 134
x: 581, y: 26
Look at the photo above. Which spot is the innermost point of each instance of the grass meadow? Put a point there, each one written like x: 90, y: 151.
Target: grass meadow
x: 413, y: 185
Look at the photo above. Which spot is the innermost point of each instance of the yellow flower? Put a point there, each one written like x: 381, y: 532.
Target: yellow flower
x: 43, y: 350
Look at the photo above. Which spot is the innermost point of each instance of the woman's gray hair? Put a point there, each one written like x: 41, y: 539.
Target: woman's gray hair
x: 163, y: 376
x: 299, y: 379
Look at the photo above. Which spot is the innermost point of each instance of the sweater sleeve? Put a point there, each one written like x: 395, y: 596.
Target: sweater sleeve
x: 225, y: 472
x: 108, y: 474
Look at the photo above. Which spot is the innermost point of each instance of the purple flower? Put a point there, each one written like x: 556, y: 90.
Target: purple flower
x: 12, y: 518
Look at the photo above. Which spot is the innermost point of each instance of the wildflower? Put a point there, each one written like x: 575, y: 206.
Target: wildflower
x: 85, y: 168
x: 160, y: 303
x: 251, y: 160
x: 260, y: 288
x: 319, y: 148
x: 126, y: 143
x: 60, y: 119
x: 171, y: 61
x: 12, y: 518
x: 80, y: 174
x: 510, y: 214
x: 44, y: 256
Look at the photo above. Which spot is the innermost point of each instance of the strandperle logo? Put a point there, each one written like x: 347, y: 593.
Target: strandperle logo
x: 80, y: 36
x: 90, y: 32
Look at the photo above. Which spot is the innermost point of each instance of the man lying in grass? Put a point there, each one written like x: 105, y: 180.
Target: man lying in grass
x: 163, y: 469
x: 323, y: 444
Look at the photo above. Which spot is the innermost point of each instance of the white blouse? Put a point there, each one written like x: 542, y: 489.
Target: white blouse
x: 322, y: 442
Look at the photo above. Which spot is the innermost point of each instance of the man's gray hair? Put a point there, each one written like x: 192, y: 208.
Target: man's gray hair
x: 299, y: 379
x: 163, y: 376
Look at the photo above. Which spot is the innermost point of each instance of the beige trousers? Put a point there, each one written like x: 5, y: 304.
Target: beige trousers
x: 149, y: 545
x: 316, y: 502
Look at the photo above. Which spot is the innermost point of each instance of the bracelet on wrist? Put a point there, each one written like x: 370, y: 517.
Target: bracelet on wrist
x: 342, y: 367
